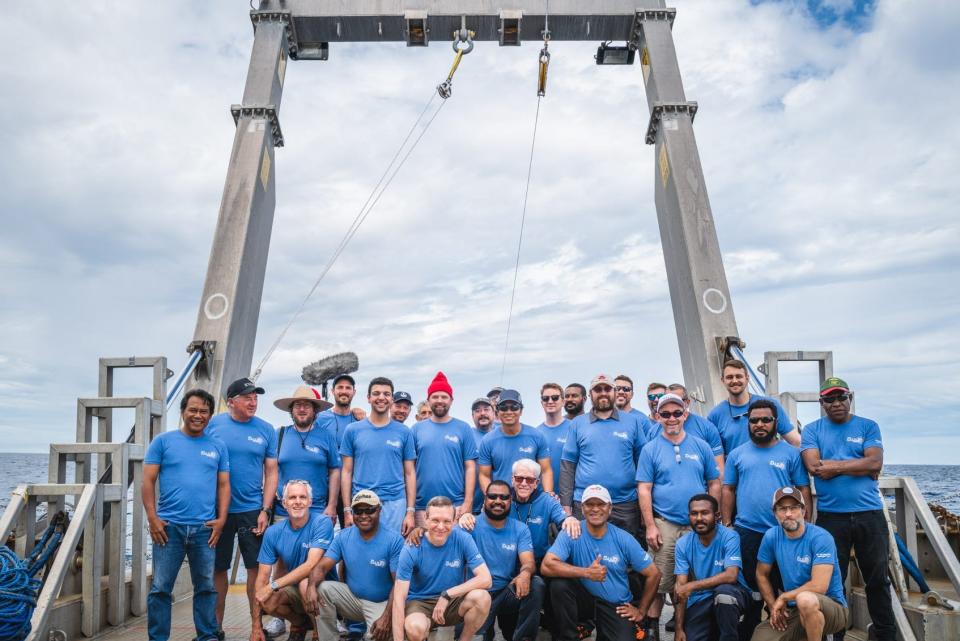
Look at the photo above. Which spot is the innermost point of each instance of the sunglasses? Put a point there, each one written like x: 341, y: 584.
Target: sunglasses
x: 366, y: 511
x: 529, y: 480
x: 766, y: 420
x: 623, y: 388
x: 508, y: 407
x: 834, y: 398
x: 498, y: 497
x: 676, y: 454
x: 550, y: 397
x: 655, y: 397
x: 673, y: 414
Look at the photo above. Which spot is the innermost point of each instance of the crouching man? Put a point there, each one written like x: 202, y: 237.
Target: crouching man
x: 299, y: 542
x: 711, y: 592
x: 430, y: 590
x: 813, y: 604
x: 369, y: 554
x: 591, y: 575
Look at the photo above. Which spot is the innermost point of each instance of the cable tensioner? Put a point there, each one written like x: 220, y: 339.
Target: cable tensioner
x: 462, y: 45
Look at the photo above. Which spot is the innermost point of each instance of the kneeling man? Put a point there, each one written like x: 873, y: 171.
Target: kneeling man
x: 711, y: 592
x: 369, y: 553
x: 430, y: 590
x: 299, y: 542
x: 813, y: 604
x: 591, y: 575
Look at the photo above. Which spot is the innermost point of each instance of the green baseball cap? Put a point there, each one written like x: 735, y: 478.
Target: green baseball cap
x: 833, y: 384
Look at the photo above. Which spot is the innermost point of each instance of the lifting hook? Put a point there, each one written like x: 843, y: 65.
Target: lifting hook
x: 544, y: 63
x: 462, y: 45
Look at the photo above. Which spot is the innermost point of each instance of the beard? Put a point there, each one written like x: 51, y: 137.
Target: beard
x: 496, y: 517
x: 763, y: 440
x: 439, y: 411
x: 573, y: 407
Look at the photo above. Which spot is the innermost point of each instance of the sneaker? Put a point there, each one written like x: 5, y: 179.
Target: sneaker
x: 275, y: 628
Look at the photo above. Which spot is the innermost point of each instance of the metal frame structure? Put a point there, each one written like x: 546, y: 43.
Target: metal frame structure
x: 303, y: 29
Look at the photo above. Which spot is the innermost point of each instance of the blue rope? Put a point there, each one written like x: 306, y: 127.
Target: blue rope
x: 910, y: 565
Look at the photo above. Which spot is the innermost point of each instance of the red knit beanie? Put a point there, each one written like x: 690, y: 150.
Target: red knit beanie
x: 440, y: 384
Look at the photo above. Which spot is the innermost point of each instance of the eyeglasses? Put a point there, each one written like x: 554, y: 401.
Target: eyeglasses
x: 367, y: 511
x: 623, y: 388
x: 655, y: 397
x: 498, y: 497
x: 673, y: 414
x: 676, y: 453
x: 766, y: 420
x: 508, y: 407
x: 793, y: 507
x: 834, y: 398
x: 603, y: 389
x: 529, y: 480
x: 550, y: 397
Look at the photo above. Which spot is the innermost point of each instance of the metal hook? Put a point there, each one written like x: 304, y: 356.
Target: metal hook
x: 460, y: 36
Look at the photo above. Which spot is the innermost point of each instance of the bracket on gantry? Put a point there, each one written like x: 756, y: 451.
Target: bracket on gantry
x: 267, y: 112
x: 293, y: 46
x: 663, y: 110
x: 648, y: 15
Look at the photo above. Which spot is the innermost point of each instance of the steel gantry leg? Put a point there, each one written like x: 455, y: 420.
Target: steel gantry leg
x: 230, y: 306
x: 702, y: 309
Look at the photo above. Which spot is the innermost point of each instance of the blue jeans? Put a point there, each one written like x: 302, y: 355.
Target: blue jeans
x: 392, y: 513
x: 717, y: 617
x: 188, y: 541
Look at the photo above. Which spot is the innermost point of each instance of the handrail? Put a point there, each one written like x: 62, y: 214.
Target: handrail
x: 18, y: 501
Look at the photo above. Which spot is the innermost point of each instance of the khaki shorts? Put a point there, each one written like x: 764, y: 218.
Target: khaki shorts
x: 294, y: 600
x: 451, y: 615
x: 835, y: 618
x: 663, y: 558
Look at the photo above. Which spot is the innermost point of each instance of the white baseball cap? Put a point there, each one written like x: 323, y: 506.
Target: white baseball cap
x: 596, y: 492
x: 667, y: 399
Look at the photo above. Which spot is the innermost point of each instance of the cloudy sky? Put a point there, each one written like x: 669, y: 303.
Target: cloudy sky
x: 827, y: 131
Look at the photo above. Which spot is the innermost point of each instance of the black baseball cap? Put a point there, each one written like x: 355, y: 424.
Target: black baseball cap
x: 509, y: 396
x: 402, y: 397
x: 494, y: 392
x: 345, y: 377
x: 243, y: 386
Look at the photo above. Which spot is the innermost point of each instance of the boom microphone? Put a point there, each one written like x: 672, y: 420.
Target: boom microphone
x: 319, y: 372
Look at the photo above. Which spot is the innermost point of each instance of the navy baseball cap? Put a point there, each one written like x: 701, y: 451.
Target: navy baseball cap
x: 402, y: 397
x: 345, y: 377
x: 509, y: 396
x: 243, y: 386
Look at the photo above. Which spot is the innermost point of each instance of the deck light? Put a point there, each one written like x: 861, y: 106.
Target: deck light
x: 607, y: 55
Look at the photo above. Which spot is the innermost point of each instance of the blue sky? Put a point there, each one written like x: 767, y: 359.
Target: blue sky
x: 826, y: 130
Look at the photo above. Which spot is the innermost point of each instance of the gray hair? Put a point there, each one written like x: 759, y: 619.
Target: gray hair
x: 528, y: 464
x: 298, y: 482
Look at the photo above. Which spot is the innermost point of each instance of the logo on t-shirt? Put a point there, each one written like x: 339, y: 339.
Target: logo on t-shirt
x: 718, y: 563
x: 855, y: 439
x: 611, y: 559
x: 622, y: 435
x: 561, y: 440
x: 692, y: 457
x: 378, y: 563
x: 452, y: 564
x: 824, y: 555
x: 453, y: 438
x: 311, y: 448
x: 210, y: 454
x: 780, y: 465
x: 535, y: 520
x: 526, y: 450
x: 509, y: 546
x: 394, y: 443
x: 255, y: 439
x: 804, y: 559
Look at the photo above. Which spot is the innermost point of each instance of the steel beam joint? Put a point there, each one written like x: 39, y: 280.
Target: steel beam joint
x: 662, y: 110
x: 648, y: 15
x: 284, y: 18
x: 267, y: 112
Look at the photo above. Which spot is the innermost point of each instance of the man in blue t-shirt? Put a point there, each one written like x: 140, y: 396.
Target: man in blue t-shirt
x: 378, y: 454
x: 623, y: 387
x: 446, y: 453
x: 602, y: 449
x: 698, y: 426
x: 753, y: 473
x: 711, y: 592
x: 511, y: 442
x: 431, y: 588
x: 308, y: 450
x: 194, y: 473
x: 369, y: 554
x: 590, y: 575
x: 517, y: 594
x: 672, y: 467
x: 299, y: 542
x: 484, y: 417
x: 844, y: 453
x: 536, y: 509
x: 730, y: 415
x: 554, y: 427
x: 252, y: 443
x: 813, y: 603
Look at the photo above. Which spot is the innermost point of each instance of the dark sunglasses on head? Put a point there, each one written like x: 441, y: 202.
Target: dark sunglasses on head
x: 550, y: 397
x: 655, y: 397
x: 529, y: 480
x: 834, y: 398
x: 623, y: 388
x: 498, y: 497
x: 365, y: 510
x: 761, y: 419
x: 673, y: 414
x: 508, y: 407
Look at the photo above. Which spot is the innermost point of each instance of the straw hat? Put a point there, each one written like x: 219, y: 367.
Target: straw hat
x: 303, y: 393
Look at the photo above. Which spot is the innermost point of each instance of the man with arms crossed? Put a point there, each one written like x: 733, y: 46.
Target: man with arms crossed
x: 299, y: 541
x: 590, y: 575
x: 369, y: 554
x: 813, y: 604
x: 194, y: 473
x: 711, y: 592
x: 430, y: 590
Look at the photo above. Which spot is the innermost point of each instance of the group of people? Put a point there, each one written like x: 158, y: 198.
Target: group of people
x: 350, y: 521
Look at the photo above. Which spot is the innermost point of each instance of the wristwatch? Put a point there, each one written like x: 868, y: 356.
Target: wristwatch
x: 445, y: 595
x: 274, y: 586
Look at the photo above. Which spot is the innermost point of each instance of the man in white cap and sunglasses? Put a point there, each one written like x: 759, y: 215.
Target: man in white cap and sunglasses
x: 673, y: 467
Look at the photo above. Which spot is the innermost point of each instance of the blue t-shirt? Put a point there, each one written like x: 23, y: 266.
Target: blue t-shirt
x: 705, y: 562
x: 442, y: 451
x: 370, y: 565
x: 618, y: 551
x: 282, y: 541
x: 336, y: 423
x: 432, y: 569
x: 378, y: 454
x: 703, y: 429
x: 500, y: 548
x: 843, y: 442
x: 757, y: 472
x: 795, y: 558
x: 188, y: 476
x: 731, y: 421
x: 477, y: 492
x: 606, y: 453
x: 556, y: 439
x: 249, y: 445
x: 307, y: 456
x: 500, y: 450
x: 537, y: 515
x: 675, y: 482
